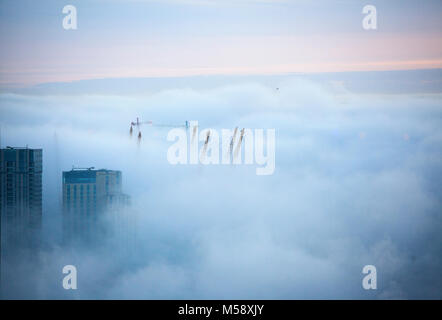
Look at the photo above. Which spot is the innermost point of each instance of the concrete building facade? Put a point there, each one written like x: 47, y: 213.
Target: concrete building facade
x: 87, y: 195
x: 21, y: 172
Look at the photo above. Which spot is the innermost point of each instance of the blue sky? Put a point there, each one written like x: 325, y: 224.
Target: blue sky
x: 139, y: 38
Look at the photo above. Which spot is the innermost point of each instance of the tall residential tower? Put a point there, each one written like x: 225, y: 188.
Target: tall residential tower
x: 20, y: 193
x: 87, y: 195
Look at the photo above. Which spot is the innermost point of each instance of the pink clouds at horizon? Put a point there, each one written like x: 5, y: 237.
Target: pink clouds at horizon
x: 226, y: 55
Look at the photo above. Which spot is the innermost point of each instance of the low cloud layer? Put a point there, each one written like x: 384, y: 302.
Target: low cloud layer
x: 356, y: 182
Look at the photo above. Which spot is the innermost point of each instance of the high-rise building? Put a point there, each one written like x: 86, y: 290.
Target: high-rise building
x: 20, y: 194
x: 20, y: 210
x: 87, y: 195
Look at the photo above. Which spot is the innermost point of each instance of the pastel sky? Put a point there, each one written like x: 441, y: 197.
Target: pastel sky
x: 144, y: 38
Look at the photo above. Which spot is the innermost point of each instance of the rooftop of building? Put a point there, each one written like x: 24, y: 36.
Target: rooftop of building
x: 19, y: 148
x: 90, y: 169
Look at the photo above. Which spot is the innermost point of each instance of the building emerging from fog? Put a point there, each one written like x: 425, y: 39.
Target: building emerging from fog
x: 91, y: 198
x: 20, y: 195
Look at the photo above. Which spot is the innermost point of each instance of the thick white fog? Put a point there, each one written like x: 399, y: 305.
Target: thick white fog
x: 356, y: 182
